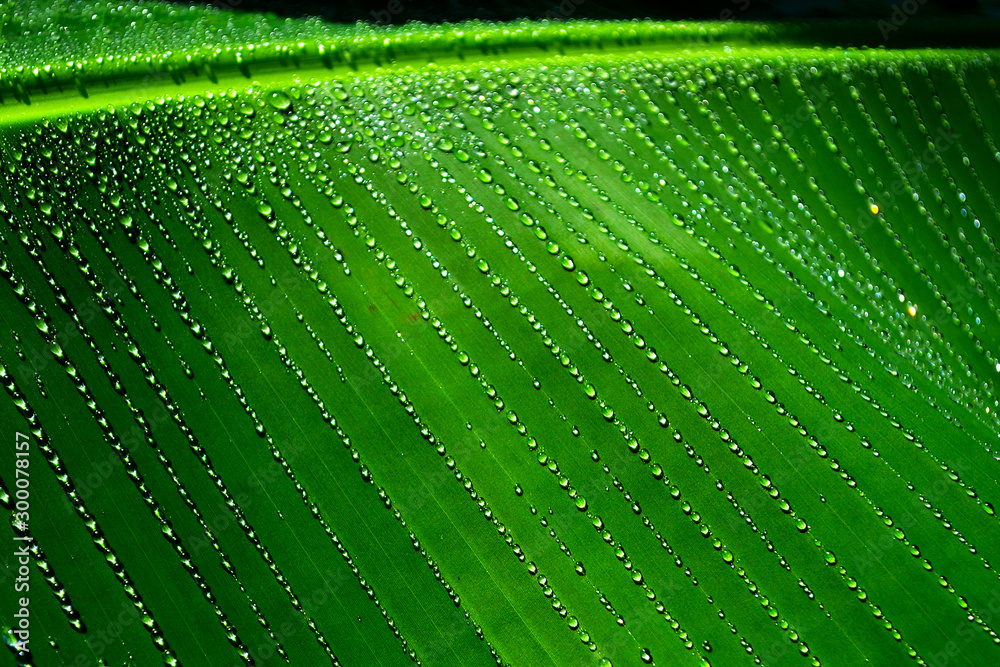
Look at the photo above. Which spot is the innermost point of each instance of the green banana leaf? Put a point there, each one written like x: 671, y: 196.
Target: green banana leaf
x: 531, y: 343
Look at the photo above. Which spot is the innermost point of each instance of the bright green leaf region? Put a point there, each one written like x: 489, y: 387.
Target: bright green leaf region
x: 540, y: 344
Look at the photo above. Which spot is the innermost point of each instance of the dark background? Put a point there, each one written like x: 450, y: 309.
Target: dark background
x: 436, y: 11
